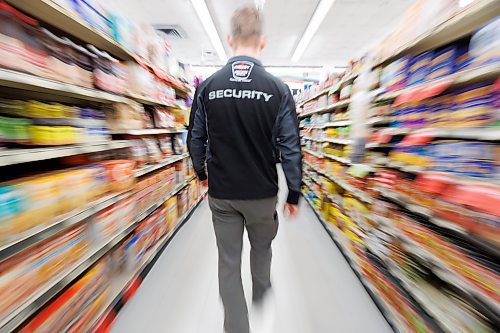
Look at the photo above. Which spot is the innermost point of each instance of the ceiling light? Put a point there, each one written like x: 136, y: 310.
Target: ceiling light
x: 260, y: 4
x: 206, y: 19
x: 318, y: 17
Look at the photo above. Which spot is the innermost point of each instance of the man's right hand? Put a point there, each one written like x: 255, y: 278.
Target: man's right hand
x: 291, y: 211
x: 204, y: 183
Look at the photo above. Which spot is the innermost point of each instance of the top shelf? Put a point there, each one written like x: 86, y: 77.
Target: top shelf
x: 65, y: 20
x: 328, y: 90
x: 464, y: 23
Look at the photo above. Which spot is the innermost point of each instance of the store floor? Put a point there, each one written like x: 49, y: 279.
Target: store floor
x: 315, y: 289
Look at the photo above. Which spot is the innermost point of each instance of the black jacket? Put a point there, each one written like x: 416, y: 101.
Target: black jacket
x: 241, y: 116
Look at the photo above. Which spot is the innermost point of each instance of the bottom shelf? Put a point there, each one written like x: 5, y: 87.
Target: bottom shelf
x: 124, y: 286
x: 396, y: 325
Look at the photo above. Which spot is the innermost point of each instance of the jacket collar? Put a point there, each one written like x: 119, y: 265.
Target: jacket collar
x: 245, y: 58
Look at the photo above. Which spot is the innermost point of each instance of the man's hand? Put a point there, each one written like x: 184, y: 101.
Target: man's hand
x: 291, y: 211
x: 204, y: 183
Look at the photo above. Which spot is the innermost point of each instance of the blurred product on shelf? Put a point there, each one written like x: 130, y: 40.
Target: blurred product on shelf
x: 75, y: 309
x: 419, y: 220
x: 32, y: 203
x: 30, y: 271
x: 38, y: 123
x: 151, y: 188
x: 27, y: 47
x: 87, y: 299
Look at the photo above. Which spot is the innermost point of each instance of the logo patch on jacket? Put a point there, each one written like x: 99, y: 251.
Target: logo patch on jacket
x: 241, y: 71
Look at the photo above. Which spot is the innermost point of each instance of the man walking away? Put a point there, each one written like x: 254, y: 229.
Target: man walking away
x: 241, y: 117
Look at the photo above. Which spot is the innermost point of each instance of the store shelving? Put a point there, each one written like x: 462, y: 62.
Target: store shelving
x: 97, y: 251
x: 465, y: 77
x: 462, y: 24
x: 65, y: 20
x: 147, y: 131
x: 338, y: 141
x: 327, y: 108
x: 122, y: 283
x: 469, y: 19
x: 336, y: 236
x: 319, y: 155
x: 23, y: 155
x: 338, y: 158
x: 151, y: 101
x: 330, y: 90
x: 445, y: 272
x: 32, y: 83
x: 150, y: 168
x: 330, y: 140
x: 59, y: 224
x: 428, y: 214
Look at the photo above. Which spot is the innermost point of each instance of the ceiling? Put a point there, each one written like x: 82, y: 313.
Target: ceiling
x: 349, y: 29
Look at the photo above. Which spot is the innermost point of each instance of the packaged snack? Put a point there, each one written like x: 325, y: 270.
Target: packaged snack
x: 29, y: 271
x: 485, y: 44
x: 20, y: 46
x: 120, y: 174
x: 154, y: 153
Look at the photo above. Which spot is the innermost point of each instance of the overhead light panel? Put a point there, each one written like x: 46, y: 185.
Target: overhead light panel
x: 208, y: 24
x: 260, y: 4
x: 318, y: 17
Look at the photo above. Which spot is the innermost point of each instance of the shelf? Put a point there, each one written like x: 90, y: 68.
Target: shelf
x: 374, y: 145
x: 338, y: 159
x: 24, y: 155
x: 346, y: 186
x: 405, y: 167
x: 339, y: 141
x: 330, y: 140
x: 320, y: 93
x: 457, y: 179
x: 464, y: 23
x: 39, y: 299
x: 36, y: 236
x: 326, y: 108
x: 379, y: 120
x: 32, y: 83
x: 312, y: 139
x: 340, y: 123
x: 150, y: 168
x: 444, y: 272
x: 150, y: 101
x: 428, y: 214
x: 339, y: 84
x: 120, y: 284
x: 63, y: 19
x: 318, y: 155
x: 466, y: 77
x: 336, y: 236
x: 147, y: 131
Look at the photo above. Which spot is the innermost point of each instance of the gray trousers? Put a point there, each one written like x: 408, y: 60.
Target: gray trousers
x: 230, y: 217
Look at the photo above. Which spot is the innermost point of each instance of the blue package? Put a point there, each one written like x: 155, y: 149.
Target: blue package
x: 421, y: 61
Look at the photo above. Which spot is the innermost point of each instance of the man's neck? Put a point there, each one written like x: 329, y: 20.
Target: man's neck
x: 248, y: 52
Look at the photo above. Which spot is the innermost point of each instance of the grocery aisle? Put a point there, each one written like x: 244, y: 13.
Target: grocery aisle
x: 315, y: 289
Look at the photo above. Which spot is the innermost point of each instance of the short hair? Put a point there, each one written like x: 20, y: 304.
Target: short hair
x: 246, y: 25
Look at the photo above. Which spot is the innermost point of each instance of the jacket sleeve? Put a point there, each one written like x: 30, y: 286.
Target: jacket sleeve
x: 288, y: 142
x: 198, y: 136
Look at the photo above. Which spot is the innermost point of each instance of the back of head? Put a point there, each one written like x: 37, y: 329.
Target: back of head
x: 246, y: 27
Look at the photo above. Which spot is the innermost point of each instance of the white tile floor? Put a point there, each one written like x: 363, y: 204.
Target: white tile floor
x: 315, y: 289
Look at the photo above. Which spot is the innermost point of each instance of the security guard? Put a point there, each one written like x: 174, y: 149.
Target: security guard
x: 241, y: 117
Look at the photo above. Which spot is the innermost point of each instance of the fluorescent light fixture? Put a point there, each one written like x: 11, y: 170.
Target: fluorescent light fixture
x: 465, y: 3
x: 208, y: 24
x: 318, y: 17
x: 260, y: 4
